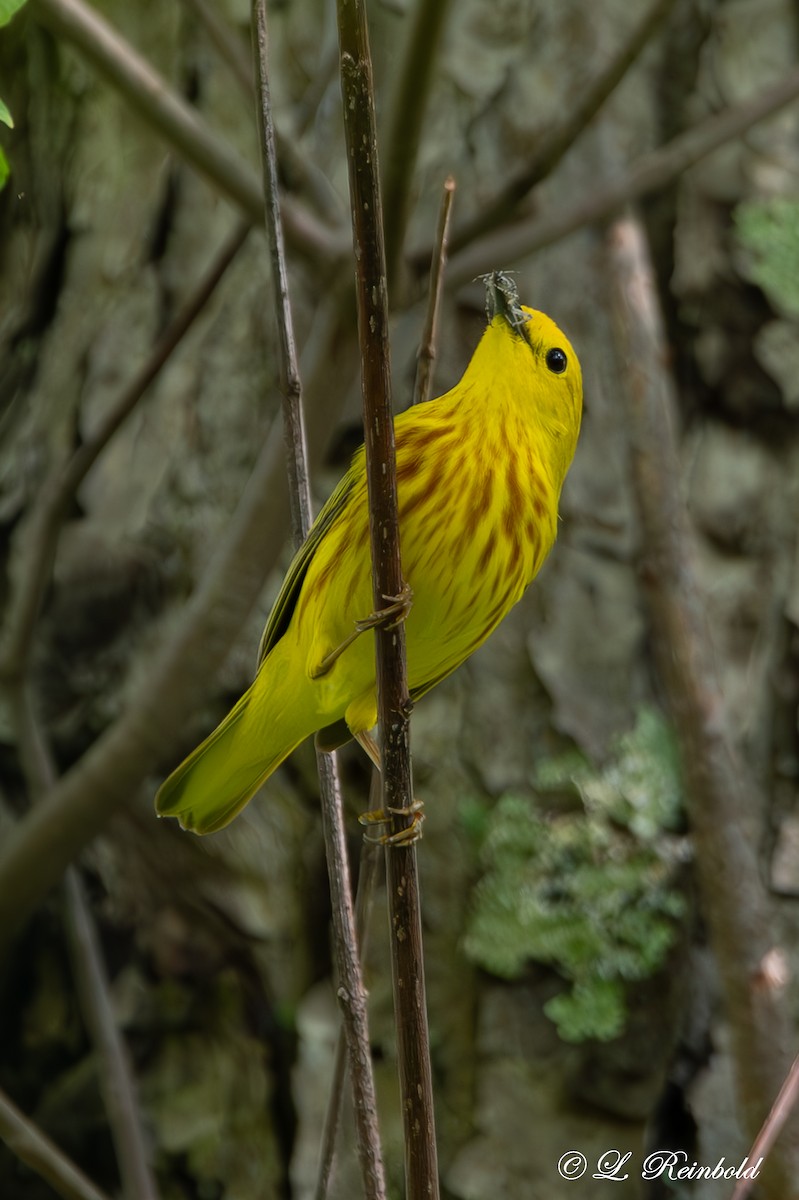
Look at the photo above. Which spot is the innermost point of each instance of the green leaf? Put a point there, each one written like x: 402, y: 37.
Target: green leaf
x: 8, y: 8
x: 5, y: 115
x: 5, y: 170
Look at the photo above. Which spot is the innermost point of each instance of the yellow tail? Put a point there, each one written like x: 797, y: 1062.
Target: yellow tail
x: 214, y: 783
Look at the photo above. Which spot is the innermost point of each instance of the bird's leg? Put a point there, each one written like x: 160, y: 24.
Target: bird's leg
x: 395, y: 612
x: 381, y: 816
x: 368, y: 744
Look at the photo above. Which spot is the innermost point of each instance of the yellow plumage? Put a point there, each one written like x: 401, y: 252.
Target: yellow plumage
x: 479, y: 475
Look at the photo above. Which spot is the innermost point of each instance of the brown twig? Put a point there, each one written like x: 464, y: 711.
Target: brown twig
x: 35, y: 1149
x: 367, y: 878
x: 42, y: 528
x: 559, y: 138
x: 115, y: 1075
x: 408, y: 107
x: 152, y: 98
x: 722, y: 796
x: 351, y: 991
x: 781, y: 1109
x: 294, y: 438
x: 427, y: 346
x: 392, y: 690
x: 651, y: 172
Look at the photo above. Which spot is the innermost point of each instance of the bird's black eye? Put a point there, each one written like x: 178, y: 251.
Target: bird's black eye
x: 557, y: 361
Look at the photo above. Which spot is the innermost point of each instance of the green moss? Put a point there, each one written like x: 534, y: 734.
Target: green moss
x: 590, y: 891
x: 768, y: 230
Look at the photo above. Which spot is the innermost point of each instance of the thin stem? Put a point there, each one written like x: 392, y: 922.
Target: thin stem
x: 35, y: 1149
x: 406, y: 117
x: 559, y: 138
x: 351, y: 991
x: 114, y: 1070
x: 367, y: 878
x: 427, y: 348
x: 392, y: 690
x: 152, y: 98
x: 41, y: 532
x: 722, y: 796
x: 780, y: 1111
x: 651, y: 172
x: 116, y: 1075
x: 290, y: 383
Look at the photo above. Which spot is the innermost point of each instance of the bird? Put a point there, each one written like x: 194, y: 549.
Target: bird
x: 479, y: 476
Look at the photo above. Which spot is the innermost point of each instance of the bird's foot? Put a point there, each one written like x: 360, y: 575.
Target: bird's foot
x: 403, y: 837
x: 394, y: 613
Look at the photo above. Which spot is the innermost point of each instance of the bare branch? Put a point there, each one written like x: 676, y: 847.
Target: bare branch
x: 651, y: 172
x: 392, y: 690
x: 116, y: 1077
x: 152, y: 98
x: 781, y: 1109
x: 408, y: 107
x: 427, y: 347
x: 290, y: 383
x: 722, y: 796
x: 36, y: 1150
x: 367, y: 878
x: 558, y: 139
x: 351, y: 990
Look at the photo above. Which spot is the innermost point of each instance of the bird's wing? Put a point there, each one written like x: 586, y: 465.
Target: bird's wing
x: 284, y: 606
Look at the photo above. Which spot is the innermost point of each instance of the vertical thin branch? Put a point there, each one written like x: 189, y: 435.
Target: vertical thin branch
x: 427, y: 347
x: 116, y: 1077
x: 404, y: 132
x: 351, y: 991
x: 367, y: 878
x: 290, y: 383
x: 117, y: 1085
x: 35, y: 1149
x: 722, y: 796
x: 392, y: 689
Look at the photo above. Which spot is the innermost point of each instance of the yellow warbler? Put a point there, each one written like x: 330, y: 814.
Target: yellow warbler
x: 479, y: 476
